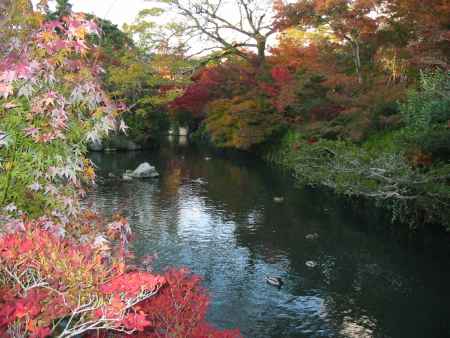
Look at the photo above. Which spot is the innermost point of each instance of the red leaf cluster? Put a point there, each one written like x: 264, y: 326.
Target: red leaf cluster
x: 198, y: 93
x: 281, y: 75
x: 211, y: 83
x: 179, y: 309
x: 282, y: 88
x: 193, y: 100
x: 132, y: 284
x: 44, y: 278
x: 69, y: 272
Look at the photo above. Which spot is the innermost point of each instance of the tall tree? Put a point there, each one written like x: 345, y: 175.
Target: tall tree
x: 428, y: 26
x: 153, y: 37
x: 232, y: 26
x: 352, y: 21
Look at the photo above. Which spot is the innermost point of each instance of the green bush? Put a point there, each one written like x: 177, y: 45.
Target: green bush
x: 429, y: 106
x: 426, y: 113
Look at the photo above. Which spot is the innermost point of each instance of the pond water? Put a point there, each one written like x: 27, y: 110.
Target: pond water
x: 369, y: 281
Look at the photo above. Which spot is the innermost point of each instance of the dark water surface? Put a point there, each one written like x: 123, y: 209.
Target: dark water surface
x: 368, y: 282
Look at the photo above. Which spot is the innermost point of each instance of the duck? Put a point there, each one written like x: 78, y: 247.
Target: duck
x: 278, y: 199
x: 312, y: 236
x: 274, y: 281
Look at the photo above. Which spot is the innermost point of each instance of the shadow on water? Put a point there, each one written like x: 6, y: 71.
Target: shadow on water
x: 217, y: 216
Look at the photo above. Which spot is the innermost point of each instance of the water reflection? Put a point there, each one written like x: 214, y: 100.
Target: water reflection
x: 218, y: 218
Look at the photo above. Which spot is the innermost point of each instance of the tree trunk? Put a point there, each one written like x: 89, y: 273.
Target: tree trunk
x: 356, y: 55
x: 357, y: 59
x: 261, y: 51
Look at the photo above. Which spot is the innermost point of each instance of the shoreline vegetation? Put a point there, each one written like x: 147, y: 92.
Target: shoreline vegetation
x: 415, y: 200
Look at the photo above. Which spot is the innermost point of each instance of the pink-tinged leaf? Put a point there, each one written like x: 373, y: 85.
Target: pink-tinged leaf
x: 92, y: 27
x: 41, y: 333
x: 5, y: 90
x: 80, y: 46
x: 9, y: 76
x: 58, y: 45
x: 10, y: 105
x: 281, y: 75
x: 53, y: 25
x: 23, y: 70
x: 32, y: 131
x: 135, y: 321
x: 121, y: 106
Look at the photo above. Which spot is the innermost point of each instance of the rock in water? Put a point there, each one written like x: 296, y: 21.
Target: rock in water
x: 144, y: 170
x: 127, y: 175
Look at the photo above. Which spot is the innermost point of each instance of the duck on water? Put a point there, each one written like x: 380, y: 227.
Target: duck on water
x: 274, y: 281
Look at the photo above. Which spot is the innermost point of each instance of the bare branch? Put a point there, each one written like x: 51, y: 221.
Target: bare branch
x: 247, y: 26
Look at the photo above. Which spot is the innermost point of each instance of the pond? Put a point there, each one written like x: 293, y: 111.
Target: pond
x: 216, y: 215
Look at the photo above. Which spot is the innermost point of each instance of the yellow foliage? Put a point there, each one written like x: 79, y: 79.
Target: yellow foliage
x: 240, y: 122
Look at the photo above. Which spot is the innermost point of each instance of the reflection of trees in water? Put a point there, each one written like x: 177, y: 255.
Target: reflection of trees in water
x: 172, y: 181
x: 232, y: 187
x: 229, y: 185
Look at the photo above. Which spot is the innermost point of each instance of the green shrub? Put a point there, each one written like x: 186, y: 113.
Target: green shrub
x: 426, y: 113
x: 429, y: 106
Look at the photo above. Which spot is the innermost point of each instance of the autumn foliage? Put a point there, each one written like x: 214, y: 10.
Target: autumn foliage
x: 334, y: 59
x: 54, y: 286
x: 46, y: 278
